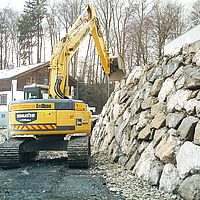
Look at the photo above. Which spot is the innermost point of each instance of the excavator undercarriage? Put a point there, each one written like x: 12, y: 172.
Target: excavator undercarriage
x: 18, y: 150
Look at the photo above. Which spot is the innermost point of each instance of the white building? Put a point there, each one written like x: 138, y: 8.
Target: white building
x: 189, y: 37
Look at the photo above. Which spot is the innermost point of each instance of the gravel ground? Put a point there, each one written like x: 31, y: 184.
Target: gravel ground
x: 124, y: 183
x: 49, y: 178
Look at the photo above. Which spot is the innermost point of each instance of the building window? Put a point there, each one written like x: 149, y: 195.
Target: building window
x: 3, y: 116
x: 46, y: 81
x: 28, y: 81
x: 3, y: 99
x: 33, y: 79
x: 38, y: 79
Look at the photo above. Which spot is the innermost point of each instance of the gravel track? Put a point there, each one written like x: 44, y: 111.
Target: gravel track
x: 49, y: 178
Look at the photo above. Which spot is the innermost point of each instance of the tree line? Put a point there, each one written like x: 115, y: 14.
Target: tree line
x: 135, y: 29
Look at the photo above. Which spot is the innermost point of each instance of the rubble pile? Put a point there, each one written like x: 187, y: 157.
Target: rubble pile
x: 150, y: 124
x: 123, y: 182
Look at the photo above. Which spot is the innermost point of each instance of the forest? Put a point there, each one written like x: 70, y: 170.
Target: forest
x: 135, y: 29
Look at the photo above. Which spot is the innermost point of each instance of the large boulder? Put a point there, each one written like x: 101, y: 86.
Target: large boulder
x: 132, y: 147
x: 188, y: 159
x: 172, y: 66
x: 158, y: 121
x: 148, y: 103
x: 135, y: 107
x: 170, y: 179
x: 145, y: 133
x: 143, y: 120
x: 187, y: 127
x: 193, y: 78
x: 143, y: 146
x: 167, y: 148
x: 135, y: 75
x: 155, y: 172
x: 156, y: 86
x: 116, y: 111
x: 144, y: 165
x: 104, y: 144
x: 190, y: 188
x: 197, y: 134
x: 153, y: 74
x: 110, y: 129
x: 123, y: 160
x: 190, y: 106
x: 173, y: 120
x: 177, y: 100
x: 180, y: 82
x: 167, y: 88
x: 144, y: 91
x: 158, y: 136
x: 132, y: 161
x: 156, y: 108
x: 120, y: 125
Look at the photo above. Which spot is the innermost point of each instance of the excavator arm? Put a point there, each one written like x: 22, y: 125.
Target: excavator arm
x: 64, y: 50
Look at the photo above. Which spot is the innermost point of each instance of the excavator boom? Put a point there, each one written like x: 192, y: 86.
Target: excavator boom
x: 64, y: 51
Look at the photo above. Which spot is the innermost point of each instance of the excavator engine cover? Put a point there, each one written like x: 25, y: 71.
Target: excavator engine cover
x: 48, y: 117
x: 117, y: 69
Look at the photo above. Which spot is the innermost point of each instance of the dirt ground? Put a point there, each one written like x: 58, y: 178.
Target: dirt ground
x: 49, y: 178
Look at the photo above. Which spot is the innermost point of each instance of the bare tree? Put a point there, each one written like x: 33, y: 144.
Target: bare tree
x: 8, y: 38
x: 53, y: 27
x: 195, y: 13
x: 67, y: 12
x: 105, y: 11
x: 167, y: 22
x: 141, y: 30
x: 12, y: 27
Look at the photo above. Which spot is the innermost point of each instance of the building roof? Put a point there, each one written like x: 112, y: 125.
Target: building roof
x: 16, y: 72
x: 6, y: 74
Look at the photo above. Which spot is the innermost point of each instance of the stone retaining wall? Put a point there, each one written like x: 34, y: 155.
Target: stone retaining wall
x: 151, y: 125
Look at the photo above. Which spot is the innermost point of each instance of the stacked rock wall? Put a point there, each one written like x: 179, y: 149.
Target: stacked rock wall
x: 151, y: 125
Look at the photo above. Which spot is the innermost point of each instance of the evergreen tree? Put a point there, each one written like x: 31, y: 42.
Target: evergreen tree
x: 31, y: 30
x: 25, y: 38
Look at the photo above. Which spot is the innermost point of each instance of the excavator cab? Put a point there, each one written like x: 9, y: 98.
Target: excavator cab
x: 35, y: 91
x: 117, y: 69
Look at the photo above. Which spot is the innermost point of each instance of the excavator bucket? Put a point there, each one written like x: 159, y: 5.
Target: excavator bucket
x: 117, y: 69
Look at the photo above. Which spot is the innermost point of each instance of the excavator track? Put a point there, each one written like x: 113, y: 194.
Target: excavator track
x: 78, y: 151
x: 10, y: 154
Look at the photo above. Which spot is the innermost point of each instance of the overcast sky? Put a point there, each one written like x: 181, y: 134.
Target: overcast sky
x: 15, y: 4
x: 19, y: 4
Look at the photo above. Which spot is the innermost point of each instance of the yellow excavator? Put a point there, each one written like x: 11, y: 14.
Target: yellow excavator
x: 37, y: 124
